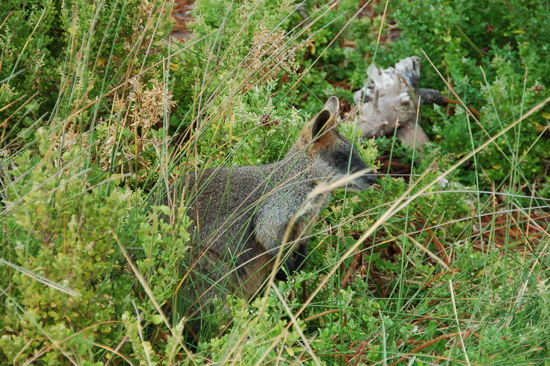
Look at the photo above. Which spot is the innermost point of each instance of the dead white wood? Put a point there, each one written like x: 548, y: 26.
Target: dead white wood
x: 390, y: 100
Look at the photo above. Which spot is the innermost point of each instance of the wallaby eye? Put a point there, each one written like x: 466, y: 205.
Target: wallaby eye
x: 341, y: 160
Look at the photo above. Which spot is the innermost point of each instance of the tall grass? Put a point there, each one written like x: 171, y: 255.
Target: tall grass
x: 416, y: 272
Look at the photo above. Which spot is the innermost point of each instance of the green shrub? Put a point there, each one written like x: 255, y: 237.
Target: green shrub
x: 58, y: 57
x: 63, y: 229
x: 68, y: 233
x: 493, y: 58
x: 225, y: 84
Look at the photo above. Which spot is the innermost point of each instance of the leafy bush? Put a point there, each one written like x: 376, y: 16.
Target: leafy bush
x: 62, y: 57
x: 67, y: 284
x: 492, y: 56
x: 227, y: 98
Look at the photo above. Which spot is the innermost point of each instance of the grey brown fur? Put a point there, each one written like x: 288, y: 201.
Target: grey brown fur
x: 241, y: 214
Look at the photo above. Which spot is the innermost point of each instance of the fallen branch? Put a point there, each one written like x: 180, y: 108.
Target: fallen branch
x: 390, y: 100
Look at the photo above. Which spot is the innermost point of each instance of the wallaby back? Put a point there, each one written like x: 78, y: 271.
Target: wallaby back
x: 241, y: 214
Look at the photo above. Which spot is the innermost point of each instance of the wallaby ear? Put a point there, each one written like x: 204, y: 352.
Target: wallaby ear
x: 332, y: 105
x: 326, y: 118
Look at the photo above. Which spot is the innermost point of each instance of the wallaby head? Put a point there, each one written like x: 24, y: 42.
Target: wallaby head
x: 330, y: 155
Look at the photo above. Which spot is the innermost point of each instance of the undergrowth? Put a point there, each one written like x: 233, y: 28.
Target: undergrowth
x: 101, y: 112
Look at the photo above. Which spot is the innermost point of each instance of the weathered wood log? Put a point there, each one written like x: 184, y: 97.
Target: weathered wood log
x: 390, y: 100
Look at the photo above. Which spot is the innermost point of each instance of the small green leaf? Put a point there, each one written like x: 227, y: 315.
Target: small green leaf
x: 156, y: 319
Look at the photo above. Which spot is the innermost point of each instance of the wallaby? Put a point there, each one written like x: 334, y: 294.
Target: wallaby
x: 241, y: 214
